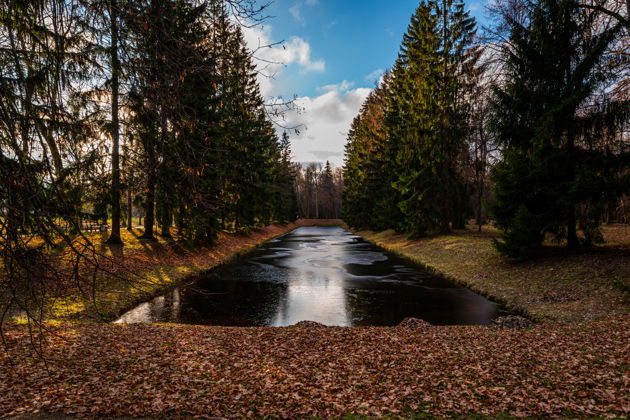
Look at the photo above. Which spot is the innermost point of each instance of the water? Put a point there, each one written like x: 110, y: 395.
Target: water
x: 322, y: 274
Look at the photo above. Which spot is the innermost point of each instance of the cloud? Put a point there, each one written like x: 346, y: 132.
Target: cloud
x: 324, y: 155
x: 296, y: 9
x: 272, y: 60
x: 296, y: 12
x: 375, y: 76
x: 327, y: 119
x: 342, y: 87
x: 323, y: 120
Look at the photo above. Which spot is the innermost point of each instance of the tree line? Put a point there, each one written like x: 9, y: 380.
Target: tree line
x: 319, y: 190
x: 111, y: 108
x: 155, y: 102
x: 529, y: 127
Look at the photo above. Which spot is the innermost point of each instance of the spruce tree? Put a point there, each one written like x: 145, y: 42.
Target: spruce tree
x: 549, y: 121
x: 427, y: 117
x: 369, y: 200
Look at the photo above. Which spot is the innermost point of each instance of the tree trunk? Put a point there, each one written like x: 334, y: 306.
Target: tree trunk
x: 149, y: 204
x: 572, y: 239
x: 114, y: 237
x: 167, y: 221
x: 129, y: 210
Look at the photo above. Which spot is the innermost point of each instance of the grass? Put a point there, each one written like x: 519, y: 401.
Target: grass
x: 555, y: 287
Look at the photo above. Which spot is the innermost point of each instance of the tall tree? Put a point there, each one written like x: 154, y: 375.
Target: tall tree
x: 427, y: 118
x: 369, y: 200
x: 114, y: 237
x: 549, y: 118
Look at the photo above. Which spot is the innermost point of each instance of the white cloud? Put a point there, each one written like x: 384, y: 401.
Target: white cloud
x: 375, y: 76
x: 296, y: 9
x: 271, y: 60
x: 296, y: 12
x: 341, y: 87
x: 327, y: 119
x: 324, y: 120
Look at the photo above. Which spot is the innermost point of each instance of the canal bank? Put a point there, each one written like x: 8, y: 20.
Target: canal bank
x: 591, y: 284
x: 325, y: 275
x: 141, y: 271
x: 558, y: 288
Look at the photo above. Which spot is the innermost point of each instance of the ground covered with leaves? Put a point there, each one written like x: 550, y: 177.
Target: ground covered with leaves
x: 573, y: 364
x: 557, y: 286
x: 179, y: 371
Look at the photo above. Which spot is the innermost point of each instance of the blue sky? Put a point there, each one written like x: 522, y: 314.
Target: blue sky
x: 334, y: 51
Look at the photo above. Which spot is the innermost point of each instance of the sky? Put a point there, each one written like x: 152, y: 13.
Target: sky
x: 332, y: 53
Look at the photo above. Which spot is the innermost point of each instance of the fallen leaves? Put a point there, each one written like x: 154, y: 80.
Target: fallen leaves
x: 150, y: 370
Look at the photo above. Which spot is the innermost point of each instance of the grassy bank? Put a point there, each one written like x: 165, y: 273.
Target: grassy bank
x: 141, y: 270
x: 559, y: 287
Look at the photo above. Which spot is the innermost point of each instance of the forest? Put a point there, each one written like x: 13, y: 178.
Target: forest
x: 116, y: 108
x: 525, y: 125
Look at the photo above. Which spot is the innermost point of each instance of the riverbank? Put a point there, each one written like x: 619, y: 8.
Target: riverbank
x: 142, y: 270
x: 559, y: 287
x: 179, y: 371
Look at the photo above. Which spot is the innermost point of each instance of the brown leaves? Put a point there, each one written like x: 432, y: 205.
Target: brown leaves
x: 156, y: 370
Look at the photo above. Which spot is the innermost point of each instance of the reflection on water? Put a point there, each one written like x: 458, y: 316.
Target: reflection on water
x: 327, y: 275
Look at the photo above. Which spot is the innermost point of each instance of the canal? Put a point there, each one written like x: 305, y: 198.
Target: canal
x: 322, y: 274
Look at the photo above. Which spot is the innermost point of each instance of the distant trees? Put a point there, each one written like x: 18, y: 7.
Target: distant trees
x: 319, y: 191
x: 535, y: 124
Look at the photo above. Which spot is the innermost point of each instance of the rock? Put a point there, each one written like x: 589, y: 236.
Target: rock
x: 512, y: 321
x: 415, y: 323
x: 308, y: 324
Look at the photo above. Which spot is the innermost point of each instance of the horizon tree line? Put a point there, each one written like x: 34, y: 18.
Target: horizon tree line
x: 319, y: 190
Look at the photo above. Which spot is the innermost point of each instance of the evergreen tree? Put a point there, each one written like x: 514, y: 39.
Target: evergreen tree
x: 549, y: 120
x: 427, y: 117
x: 369, y: 199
